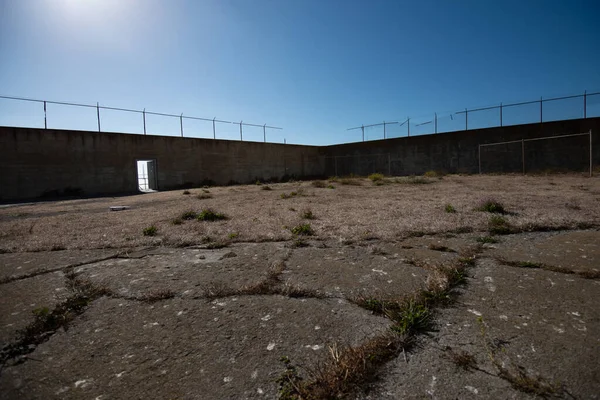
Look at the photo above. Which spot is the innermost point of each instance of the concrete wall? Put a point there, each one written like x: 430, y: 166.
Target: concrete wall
x: 459, y: 151
x: 38, y: 162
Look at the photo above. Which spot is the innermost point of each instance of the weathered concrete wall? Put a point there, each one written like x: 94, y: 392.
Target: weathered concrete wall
x: 34, y: 162
x: 459, y: 151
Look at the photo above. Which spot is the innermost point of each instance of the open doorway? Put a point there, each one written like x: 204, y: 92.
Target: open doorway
x: 146, y: 175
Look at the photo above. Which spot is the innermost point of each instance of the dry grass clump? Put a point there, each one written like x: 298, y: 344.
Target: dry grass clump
x: 376, y: 177
x: 319, y: 184
x: 491, y: 205
x: 204, y: 196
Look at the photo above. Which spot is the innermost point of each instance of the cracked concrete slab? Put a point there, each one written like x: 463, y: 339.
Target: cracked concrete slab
x: 18, y: 264
x: 547, y: 323
x: 18, y: 299
x: 348, y: 271
x: 186, y: 349
x: 186, y: 272
x: 573, y: 250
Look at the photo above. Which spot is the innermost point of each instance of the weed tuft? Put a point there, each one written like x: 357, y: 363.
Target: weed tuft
x: 150, y: 231
x: 209, y: 214
x: 266, y: 187
x: 450, y: 209
x: 376, y: 177
x: 318, y: 184
x: 491, y: 206
x: 186, y: 192
x: 462, y: 359
x: 303, y: 229
x: 204, y: 196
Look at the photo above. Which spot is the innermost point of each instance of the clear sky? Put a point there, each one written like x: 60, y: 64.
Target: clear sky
x: 314, y: 68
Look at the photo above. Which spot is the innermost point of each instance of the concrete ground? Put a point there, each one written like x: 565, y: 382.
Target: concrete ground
x: 199, y: 321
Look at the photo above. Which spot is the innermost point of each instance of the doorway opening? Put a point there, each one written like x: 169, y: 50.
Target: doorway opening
x: 146, y: 176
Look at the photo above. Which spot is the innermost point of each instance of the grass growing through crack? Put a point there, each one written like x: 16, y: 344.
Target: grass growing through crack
x: 487, y: 240
x: 462, y: 359
x: 514, y: 374
x: 47, y: 321
x: 349, y: 367
x: 498, y: 225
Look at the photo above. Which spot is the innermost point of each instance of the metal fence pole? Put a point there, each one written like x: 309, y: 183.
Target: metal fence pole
x: 591, y: 161
x: 144, y: 115
x: 265, y: 133
x: 241, y: 138
x: 585, y: 104
x: 435, y: 122
x: 214, y: 131
x: 384, y: 129
x: 466, y: 119
x: 523, y: 154
x: 181, y: 123
x: 500, y: 114
x: 363, y: 132
x: 45, y: 116
x: 98, y: 112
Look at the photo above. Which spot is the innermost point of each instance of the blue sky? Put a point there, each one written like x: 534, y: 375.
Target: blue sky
x: 314, y: 68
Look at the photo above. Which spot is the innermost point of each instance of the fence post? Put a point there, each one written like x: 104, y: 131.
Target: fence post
x: 591, y: 162
x: 144, y: 115
x: 98, y: 112
x: 408, y: 125
x: 363, y: 132
x: 466, y: 119
x: 181, y: 123
x: 45, y: 116
x: 214, y: 131
x: 500, y: 114
x: 265, y: 133
x: 585, y: 104
x: 523, y: 154
x: 435, y: 122
x: 541, y: 110
x: 384, y: 129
